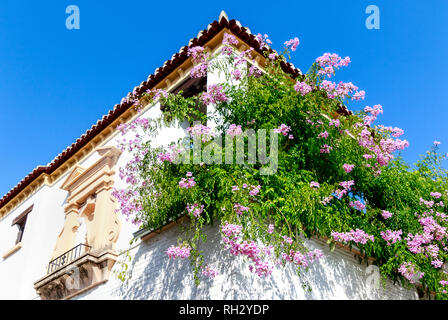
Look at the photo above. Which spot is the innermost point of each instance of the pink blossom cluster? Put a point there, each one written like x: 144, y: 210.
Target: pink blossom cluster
x: 273, y: 56
x: 292, y: 43
x: 314, y: 184
x: 200, y: 61
x: 234, y: 130
x: 287, y: 239
x: 326, y: 200
x: 195, y: 209
x: 263, y: 40
x: 323, y: 135
x: 325, y: 148
x: 391, y: 236
x: 228, y: 41
x: 157, y: 93
x: 358, y: 236
x: 231, y: 230
x: 358, y: 205
x: 394, y: 131
x: 182, y: 252
x: 386, y: 214
x: 302, y: 87
x: 373, y: 113
x: 236, y: 74
x: 270, y: 229
x: 348, y: 167
x: 302, y: 259
x: 436, y: 195
x: 250, y: 249
x: 143, y: 123
x: 213, y: 95
x: 204, y: 132
x: 188, y: 182
x: 347, y: 185
x: 283, y: 129
x: 254, y: 71
x: 170, y: 155
x: 421, y: 243
x: 127, y: 201
x: 240, y: 209
x: 342, y: 90
x: 410, y: 272
x: 254, y: 190
x: 209, y: 271
x: 384, y: 150
x: 426, y: 203
x: 329, y: 62
x: 334, y: 122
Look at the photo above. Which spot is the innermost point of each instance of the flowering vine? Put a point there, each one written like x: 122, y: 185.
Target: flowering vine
x: 340, y: 176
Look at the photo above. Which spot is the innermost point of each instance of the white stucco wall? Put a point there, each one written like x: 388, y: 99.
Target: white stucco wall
x: 153, y: 276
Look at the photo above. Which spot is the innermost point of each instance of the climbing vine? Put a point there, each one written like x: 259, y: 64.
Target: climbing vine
x: 338, y: 175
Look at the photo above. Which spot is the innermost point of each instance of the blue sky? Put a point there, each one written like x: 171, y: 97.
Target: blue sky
x: 56, y: 83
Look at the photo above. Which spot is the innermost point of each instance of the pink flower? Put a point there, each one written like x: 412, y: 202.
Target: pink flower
x: 214, y: 95
x: 254, y: 190
x: 348, y: 167
x: 204, y: 132
x: 283, y: 129
x: 323, y: 135
x: 293, y: 43
x: 270, y: 228
x: 187, y: 183
x: 234, y: 130
x: 358, y: 236
x: 391, y: 236
x: 178, y: 252
x: 314, y: 184
x: 359, y: 95
x: 436, y: 195
x: 408, y: 270
x: 302, y: 87
x: 236, y: 74
x: 195, y: 210
x: 386, y: 214
x: 329, y: 62
x: 240, y: 209
x: 326, y: 148
x: 357, y: 205
x: 334, y: 122
x: 347, y: 185
x: 209, y: 271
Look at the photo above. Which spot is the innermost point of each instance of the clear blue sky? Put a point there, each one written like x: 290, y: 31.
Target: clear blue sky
x: 56, y: 83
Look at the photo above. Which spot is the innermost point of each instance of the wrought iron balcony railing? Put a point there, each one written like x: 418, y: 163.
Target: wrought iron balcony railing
x: 67, y: 257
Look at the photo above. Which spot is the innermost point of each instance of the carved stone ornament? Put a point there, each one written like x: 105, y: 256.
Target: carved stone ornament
x: 90, y: 217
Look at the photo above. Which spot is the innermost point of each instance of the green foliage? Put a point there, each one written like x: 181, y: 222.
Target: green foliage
x: 286, y: 198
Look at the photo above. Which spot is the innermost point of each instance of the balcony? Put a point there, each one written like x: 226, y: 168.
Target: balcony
x: 76, y: 271
x: 67, y: 257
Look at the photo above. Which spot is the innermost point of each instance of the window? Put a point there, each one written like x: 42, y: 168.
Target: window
x: 20, y: 222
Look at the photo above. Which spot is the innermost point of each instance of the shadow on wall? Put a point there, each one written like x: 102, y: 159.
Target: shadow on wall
x: 336, y: 276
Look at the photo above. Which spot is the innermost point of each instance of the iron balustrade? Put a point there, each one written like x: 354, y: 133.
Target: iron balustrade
x: 67, y: 257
